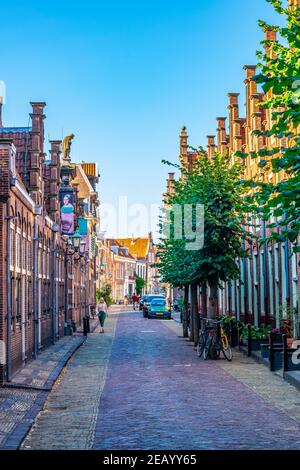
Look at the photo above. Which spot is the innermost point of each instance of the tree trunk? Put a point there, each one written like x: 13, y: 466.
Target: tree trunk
x: 195, y: 312
x: 203, y: 300
x: 213, y: 299
x: 185, y: 312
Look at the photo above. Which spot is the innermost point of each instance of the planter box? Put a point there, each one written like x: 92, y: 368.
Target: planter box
x: 234, y: 337
x: 277, y: 337
x: 277, y: 359
x: 290, y: 364
x: 256, y: 343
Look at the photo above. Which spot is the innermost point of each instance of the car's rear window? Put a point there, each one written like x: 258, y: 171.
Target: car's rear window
x: 158, y: 303
x: 149, y: 298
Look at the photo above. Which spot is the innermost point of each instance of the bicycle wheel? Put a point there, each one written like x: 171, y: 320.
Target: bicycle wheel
x: 226, y: 348
x: 207, y: 347
x: 201, y: 344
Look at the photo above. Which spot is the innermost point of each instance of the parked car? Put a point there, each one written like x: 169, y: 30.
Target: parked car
x: 159, y: 308
x: 141, y: 302
x: 148, y: 299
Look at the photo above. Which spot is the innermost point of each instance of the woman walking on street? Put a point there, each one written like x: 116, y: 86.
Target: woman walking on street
x: 102, y: 313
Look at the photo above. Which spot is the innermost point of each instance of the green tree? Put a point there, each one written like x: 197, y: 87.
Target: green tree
x: 215, y: 184
x: 279, y: 77
x: 140, y: 283
x: 105, y: 292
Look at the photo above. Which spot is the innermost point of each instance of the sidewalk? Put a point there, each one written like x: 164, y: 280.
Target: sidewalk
x: 23, y: 398
x: 69, y: 416
x: 272, y: 387
x: 292, y: 377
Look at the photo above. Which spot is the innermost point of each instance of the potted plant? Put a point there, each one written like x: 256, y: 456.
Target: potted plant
x: 233, y: 329
x: 259, y: 336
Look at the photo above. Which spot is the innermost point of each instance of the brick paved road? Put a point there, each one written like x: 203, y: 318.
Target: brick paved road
x: 158, y: 395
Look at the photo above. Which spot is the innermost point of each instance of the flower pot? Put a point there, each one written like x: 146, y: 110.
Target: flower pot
x: 289, y: 342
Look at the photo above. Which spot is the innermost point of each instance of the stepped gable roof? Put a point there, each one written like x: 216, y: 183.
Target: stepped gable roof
x: 137, y: 247
x: 121, y: 248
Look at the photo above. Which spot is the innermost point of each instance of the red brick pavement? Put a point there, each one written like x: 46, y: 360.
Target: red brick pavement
x: 159, y: 395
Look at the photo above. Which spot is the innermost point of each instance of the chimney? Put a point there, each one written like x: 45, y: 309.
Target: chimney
x: 233, y: 115
x: 211, y: 146
x: 251, y: 89
x: 222, y: 136
x: 183, y: 144
x: 54, y: 180
x: 270, y: 36
x: 37, y: 152
x: 294, y: 5
x: 238, y: 134
x: 170, y: 183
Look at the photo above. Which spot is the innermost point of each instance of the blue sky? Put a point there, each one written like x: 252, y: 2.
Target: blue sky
x: 124, y: 76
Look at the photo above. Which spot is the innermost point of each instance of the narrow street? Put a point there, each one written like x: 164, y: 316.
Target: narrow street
x: 142, y: 386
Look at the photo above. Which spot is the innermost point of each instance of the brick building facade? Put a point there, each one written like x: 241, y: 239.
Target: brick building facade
x: 268, y: 288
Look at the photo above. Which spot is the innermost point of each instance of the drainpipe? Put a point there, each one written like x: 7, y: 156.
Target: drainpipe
x: 53, y: 284
x: 287, y: 271
x: 8, y: 280
x: 35, y: 287
x: 245, y: 285
x: 265, y: 279
x: 8, y: 297
x: 86, y: 285
x: 66, y: 293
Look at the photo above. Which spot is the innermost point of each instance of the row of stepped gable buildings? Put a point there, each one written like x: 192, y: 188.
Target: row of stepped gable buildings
x: 268, y: 288
x: 48, y: 223
x: 53, y: 257
x: 121, y: 259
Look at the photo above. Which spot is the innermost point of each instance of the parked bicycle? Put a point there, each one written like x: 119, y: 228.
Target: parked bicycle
x: 212, y: 340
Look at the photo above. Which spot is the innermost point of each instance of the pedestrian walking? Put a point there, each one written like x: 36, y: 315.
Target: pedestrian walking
x: 102, y: 313
x: 135, y: 300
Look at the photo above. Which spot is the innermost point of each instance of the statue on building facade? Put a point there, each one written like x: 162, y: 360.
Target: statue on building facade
x: 66, y: 149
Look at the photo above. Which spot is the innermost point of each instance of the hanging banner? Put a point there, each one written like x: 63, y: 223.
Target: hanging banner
x: 67, y: 212
x: 82, y: 226
x: 83, y: 230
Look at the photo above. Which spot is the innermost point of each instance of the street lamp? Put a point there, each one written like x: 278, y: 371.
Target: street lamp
x: 82, y: 247
x: 76, y: 240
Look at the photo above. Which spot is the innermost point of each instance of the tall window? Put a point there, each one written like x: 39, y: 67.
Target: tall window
x: 261, y: 284
x: 18, y: 250
x: 283, y: 279
x: 29, y: 297
x: 238, y: 300
x: 12, y: 247
x: 295, y: 294
x: 276, y: 273
x: 233, y: 306
x: 255, y: 283
x: 18, y: 299
x: 242, y: 286
x: 250, y: 305
x: 271, y: 281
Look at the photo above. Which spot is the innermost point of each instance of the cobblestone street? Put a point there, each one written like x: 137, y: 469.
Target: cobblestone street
x: 141, y: 386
